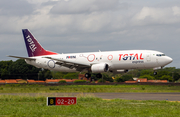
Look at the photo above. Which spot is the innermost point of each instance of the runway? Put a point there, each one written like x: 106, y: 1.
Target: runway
x: 127, y: 96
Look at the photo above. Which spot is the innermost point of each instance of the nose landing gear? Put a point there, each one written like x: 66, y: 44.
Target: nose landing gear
x: 88, y: 75
x: 156, y: 68
x: 155, y: 73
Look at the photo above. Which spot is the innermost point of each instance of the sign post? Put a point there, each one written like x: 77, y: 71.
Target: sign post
x: 61, y: 101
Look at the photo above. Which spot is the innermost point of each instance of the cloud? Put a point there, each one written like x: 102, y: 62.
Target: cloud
x: 153, y: 15
x: 176, y: 10
x: 90, y: 25
x: 88, y: 16
x: 15, y: 8
x: 83, y: 6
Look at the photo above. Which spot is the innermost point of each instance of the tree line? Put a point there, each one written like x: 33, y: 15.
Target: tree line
x: 20, y: 70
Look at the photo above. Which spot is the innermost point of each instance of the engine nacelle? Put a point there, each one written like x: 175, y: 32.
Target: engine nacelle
x: 99, y: 68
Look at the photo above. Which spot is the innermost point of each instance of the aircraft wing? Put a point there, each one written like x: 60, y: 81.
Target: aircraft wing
x: 71, y: 65
x: 28, y: 58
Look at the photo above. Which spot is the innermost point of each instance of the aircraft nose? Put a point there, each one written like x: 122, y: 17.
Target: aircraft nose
x: 169, y: 59
x: 163, y: 61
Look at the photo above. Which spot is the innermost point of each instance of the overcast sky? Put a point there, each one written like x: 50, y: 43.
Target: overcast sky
x: 67, y: 26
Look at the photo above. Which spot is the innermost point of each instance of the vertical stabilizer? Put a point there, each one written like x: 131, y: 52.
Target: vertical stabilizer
x: 32, y: 45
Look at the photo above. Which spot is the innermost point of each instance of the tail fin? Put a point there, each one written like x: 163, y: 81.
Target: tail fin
x: 32, y: 45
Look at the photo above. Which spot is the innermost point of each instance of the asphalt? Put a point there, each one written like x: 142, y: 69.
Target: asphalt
x: 127, y: 96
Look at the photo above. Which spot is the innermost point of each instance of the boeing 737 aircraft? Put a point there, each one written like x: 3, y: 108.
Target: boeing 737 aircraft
x: 92, y: 62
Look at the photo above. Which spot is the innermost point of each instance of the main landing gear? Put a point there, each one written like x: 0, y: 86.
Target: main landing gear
x: 88, y: 75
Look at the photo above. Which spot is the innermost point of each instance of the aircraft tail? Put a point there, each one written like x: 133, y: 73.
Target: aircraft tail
x: 32, y: 45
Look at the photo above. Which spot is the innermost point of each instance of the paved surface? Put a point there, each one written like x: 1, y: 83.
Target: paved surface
x: 128, y: 96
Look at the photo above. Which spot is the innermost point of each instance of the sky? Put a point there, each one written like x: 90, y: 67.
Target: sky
x: 73, y: 26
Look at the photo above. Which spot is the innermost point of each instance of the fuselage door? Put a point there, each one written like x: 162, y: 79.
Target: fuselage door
x: 148, y: 57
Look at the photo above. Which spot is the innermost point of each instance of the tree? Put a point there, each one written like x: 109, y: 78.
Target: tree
x: 20, y: 69
x: 146, y: 72
x: 160, y: 74
x: 118, y: 79
x: 166, y: 77
x: 71, y: 75
x: 48, y: 74
x: 40, y: 75
x: 123, y: 78
x: 149, y: 77
x: 4, y: 73
x: 175, y: 76
x: 107, y: 77
x: 44, y: 74
x: 101, y: 81
x: 127, y: 77
x: 170, y: 69
x: 58, y: 75
x: 134, y: 72
x: 4, y: 69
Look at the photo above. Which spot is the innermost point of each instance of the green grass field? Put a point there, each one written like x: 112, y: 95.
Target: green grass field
x: 87, y: 106
x: 17, y: 88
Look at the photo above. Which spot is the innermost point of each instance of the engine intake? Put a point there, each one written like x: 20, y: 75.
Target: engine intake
x: 99, y: 68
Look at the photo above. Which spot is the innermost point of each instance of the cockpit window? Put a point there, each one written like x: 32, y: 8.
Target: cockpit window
x: 160, y: 54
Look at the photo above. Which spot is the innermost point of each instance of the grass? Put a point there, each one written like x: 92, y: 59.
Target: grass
x: 16, y: 88
x: 88, y: 106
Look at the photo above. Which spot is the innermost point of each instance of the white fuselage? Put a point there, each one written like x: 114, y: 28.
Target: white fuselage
x: 95, y: 62
x: 116, y: 60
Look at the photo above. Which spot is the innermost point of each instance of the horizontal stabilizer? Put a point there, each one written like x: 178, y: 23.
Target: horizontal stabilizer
x: 22, y: 57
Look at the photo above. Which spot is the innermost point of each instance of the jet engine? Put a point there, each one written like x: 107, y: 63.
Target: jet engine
x: 99, y: 68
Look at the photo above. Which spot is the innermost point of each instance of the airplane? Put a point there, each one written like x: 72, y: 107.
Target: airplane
x: 92, y: 62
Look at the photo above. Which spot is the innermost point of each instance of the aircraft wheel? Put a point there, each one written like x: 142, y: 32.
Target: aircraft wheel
x: 99, y: 75
x: 87, y: 75
x: 155, y: 73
